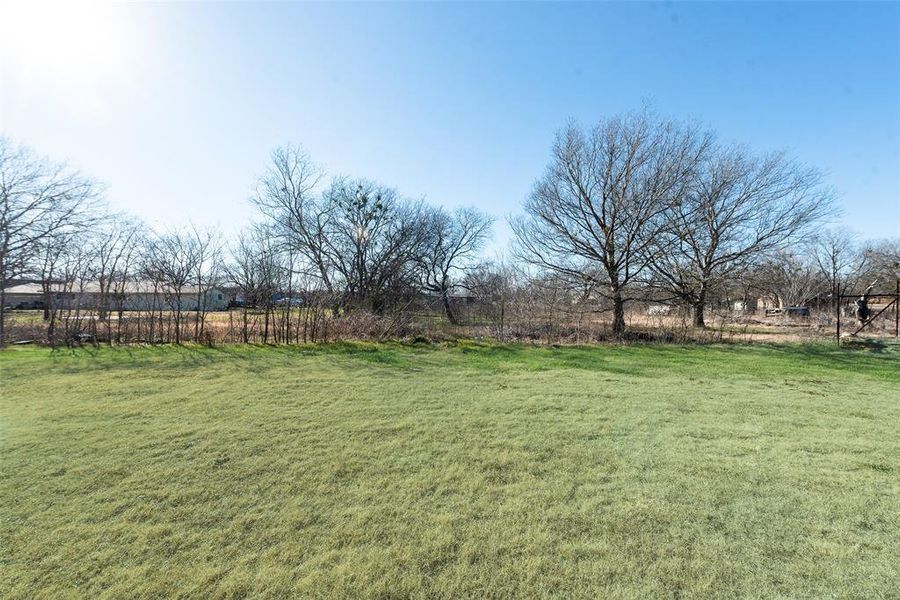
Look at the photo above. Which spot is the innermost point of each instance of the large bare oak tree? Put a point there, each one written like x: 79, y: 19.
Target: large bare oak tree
x: 602, y: 200
x: 736, y: 209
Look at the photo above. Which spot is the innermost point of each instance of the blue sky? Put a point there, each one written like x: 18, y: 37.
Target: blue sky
x: 176, y: 106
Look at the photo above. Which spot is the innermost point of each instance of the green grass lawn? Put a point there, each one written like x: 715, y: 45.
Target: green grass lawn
x: 476, y: 471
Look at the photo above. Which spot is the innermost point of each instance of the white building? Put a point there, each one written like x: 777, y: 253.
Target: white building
x: 134, y: 296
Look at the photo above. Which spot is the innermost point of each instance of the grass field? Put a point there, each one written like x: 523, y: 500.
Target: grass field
x: 477, y: 471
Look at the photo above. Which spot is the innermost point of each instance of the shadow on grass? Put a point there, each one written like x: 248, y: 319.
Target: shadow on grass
x: 632, y: 360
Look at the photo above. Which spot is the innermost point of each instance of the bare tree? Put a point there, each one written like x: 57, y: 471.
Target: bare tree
x: 373, y: 240
x: 206, y: 273
x: 297, y: 212
x: 73, y: 309
x: 883, y: 263
x: 735, y: 209
x: 38, y: 199
x: 550, y: 300
x: 171, y: 260
x: 257, y: 269
x: 451, y: 249
x: 113, y: 247
x: 494, y: 286
x: 839, y: 259
x: 596, y: 211
x: 54, y: 257
x: 358, y: 237
x: 791, y: 277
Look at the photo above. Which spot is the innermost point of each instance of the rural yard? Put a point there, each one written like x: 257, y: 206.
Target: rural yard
x: 454, y: 470
x: 427, y: 300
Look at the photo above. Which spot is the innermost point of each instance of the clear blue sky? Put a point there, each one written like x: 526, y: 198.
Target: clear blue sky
x: 176, y: 106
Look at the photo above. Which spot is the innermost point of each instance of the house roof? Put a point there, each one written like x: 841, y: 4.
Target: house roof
x: 93, y: 287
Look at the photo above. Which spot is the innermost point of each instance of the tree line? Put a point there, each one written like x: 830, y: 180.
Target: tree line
x: 634, y: 209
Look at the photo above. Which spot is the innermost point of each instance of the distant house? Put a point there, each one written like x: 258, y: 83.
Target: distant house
x: 747, y: 306
x: 463, y: 297
x: 457, y: 297
x: 135, y: 296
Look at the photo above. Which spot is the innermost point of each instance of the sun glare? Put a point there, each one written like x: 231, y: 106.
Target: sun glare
x: 67, y: 46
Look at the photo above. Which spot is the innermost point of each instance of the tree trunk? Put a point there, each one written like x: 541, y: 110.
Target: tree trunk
x: 618, y: 324
x: 699, y: 308
x: 51, y: 329
x: 46, y: 303
x: 377, y: 304
x: 448, y: 309
x: 2, y: 314
x: 698, y: 312
x: 197, y: 321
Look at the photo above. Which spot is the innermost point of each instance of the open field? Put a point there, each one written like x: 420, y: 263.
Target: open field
x: 465, y: 470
